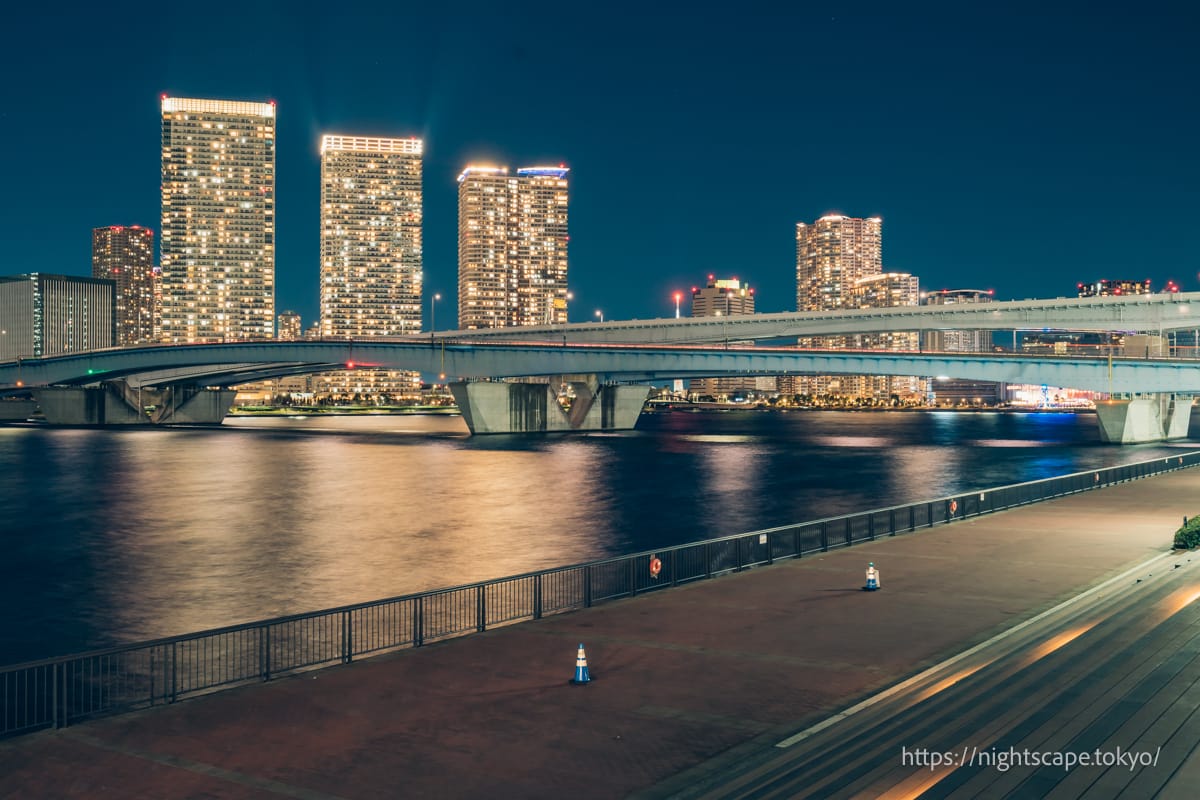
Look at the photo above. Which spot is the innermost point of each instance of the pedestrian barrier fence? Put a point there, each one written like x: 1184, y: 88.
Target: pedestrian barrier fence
x: 59, y: 691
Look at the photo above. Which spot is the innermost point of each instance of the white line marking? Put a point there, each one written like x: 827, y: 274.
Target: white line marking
x: 886, y: 693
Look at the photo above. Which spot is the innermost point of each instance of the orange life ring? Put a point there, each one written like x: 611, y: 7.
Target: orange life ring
x: 655, y: 566
x: 953, y: 506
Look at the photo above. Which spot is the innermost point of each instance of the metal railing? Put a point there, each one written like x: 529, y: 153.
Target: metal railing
x: 60, y: 691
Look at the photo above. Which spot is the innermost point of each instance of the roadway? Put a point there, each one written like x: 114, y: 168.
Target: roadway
x: 694, y: 688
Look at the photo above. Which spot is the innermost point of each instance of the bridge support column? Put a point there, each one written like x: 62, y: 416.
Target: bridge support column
x: 1144, y: 419
x: 116, y: 403
x: 492, y: 407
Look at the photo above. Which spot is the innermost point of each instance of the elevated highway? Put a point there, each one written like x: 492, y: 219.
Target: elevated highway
x: 1153, y: 313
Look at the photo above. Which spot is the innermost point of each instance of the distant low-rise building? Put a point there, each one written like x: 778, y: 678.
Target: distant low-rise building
x: 723, y: 298
x: 48, y: 315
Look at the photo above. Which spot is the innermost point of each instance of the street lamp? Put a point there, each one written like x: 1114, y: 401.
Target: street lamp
x: 433, y: 313
x: 678, y: 297
x: 600, y: 314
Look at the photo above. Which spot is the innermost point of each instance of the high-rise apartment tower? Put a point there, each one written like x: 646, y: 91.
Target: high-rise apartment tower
x: 124, y: 254
x: 218, y: 220
x: 512, y: 247
x: 371, y: 213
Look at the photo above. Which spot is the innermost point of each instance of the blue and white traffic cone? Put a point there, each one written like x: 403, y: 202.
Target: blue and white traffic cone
x: 872, y: 578
x: 581, y: 668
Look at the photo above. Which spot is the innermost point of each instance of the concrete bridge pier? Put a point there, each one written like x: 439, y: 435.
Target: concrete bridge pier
x: 117, y: 403
x: 494, y: 407
x: 1144, y: 419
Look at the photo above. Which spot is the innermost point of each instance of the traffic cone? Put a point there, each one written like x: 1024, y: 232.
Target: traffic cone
x: 581, y: 668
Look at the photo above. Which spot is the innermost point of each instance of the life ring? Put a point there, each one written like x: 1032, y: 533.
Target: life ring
x: 655, y: 566
x: 953, y: 506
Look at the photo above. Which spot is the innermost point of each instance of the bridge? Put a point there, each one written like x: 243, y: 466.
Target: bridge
x: 602, y: 362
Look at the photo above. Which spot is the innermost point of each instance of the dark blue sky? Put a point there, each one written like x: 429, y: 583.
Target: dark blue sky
x: 1006, y: 146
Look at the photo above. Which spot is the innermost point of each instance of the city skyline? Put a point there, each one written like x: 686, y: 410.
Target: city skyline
x: 1001, y: 155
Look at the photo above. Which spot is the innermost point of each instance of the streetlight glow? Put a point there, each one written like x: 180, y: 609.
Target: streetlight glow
x: 600, y: 314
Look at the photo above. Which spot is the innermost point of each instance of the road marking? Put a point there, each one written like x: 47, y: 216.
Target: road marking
x: 887, y: 693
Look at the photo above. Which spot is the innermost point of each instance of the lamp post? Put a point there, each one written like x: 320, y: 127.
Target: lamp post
x: 678, y: 297
x: 433, y: 313
x: 600, y: 314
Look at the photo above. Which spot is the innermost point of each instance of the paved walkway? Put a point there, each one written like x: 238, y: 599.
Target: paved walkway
x: 685, y: 682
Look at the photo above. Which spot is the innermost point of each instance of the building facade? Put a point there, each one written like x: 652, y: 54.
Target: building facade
x: 512, y: 247
x: 723, y: 298
x: 218, y: 220
x: 50, y: 315
x: 946, y: 390
x: 1108, y: 287
x: 371, y: 216
x: 124, y: 254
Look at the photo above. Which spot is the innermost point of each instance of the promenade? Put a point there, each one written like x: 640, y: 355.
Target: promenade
x: 687, y: 683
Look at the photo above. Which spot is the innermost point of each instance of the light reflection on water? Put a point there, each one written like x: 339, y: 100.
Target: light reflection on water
x: 120, y: 535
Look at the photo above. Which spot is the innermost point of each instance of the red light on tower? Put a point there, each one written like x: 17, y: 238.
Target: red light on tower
x: 349, y: 365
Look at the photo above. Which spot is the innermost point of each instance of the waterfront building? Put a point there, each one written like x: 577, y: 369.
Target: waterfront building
x: 288, y: 326
x: 1109, y: 287
x: 957, y: 341
x: 371, y: 214
x: 124, y: 254
x: 371, y: 251
x: 832, y: 253
x: 512, y: 247
x: 723, y: 298
x: 49, y: 315
x: 888, y: 290
x: 945, y: 390
x: 218, y: 220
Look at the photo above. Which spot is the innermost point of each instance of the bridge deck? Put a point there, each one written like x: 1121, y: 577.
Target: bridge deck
x: 693, y: 687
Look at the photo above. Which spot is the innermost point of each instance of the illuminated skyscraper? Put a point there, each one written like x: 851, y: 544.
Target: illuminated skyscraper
x: 125, y: 255
x: 218, y: 220
x: 831, y: 255
x: 371, y: 213
x: 512, y: 247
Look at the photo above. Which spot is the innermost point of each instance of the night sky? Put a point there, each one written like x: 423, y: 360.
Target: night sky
x: 1006, y: 146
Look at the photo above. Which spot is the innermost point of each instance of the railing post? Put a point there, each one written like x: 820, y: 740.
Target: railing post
x: 824, y: 537
x: 587, y: 587
x: 537, y: 596
x: 737, y: 554
x: 480, y: 609
x: 347, y: 638
x: 912, y: 518
x: 796, y: 542
x: 54, y: 693
x: 707, y: 560
x: 266, y: 652
x: 632, y: 570
x: 174, y: 671
x: 871, y: 526
x: 849, y: 533
x: 930, y: 515
x: 770, y: 549
x: 671, y: 566
x: 892, y: 522
x: 418, y: 621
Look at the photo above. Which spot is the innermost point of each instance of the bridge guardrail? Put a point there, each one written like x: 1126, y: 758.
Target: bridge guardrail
x: 60, y: 691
